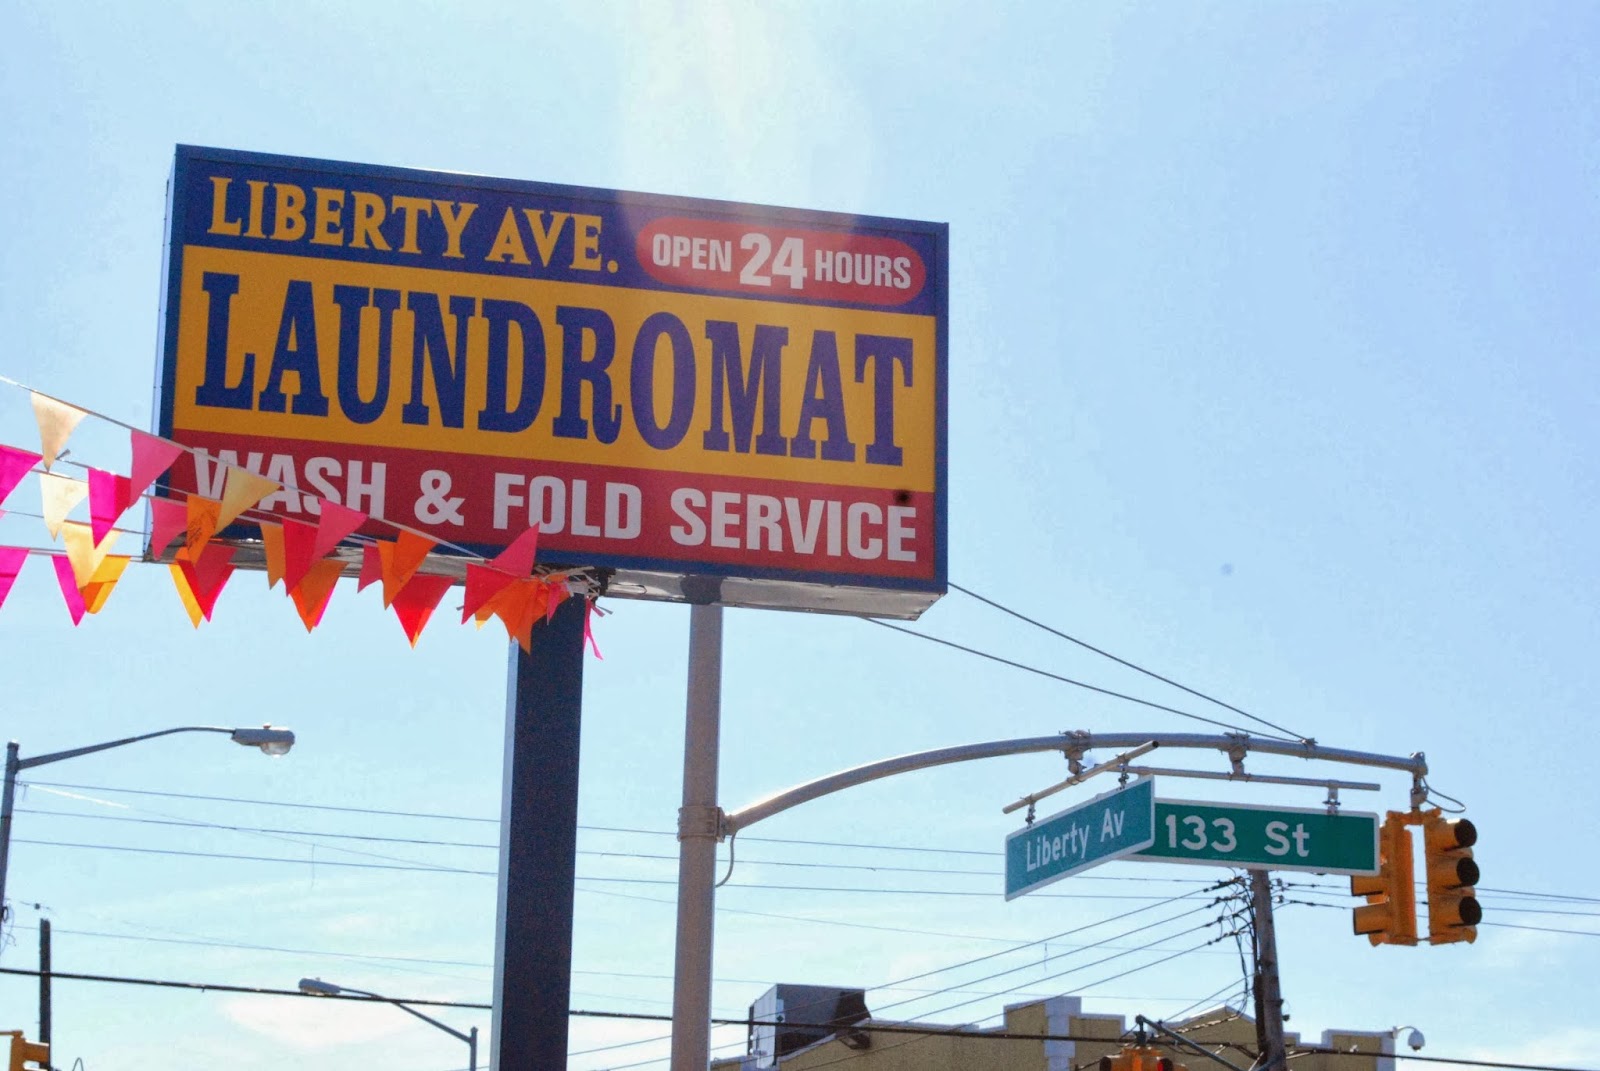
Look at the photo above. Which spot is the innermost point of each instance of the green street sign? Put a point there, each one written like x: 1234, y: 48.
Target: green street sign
x: 1110, y: 826
x: 1263, y: 838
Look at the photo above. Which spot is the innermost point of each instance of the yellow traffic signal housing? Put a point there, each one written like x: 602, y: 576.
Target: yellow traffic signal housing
x: 1390, y: 914
x: 1453, y: 908
x: 24, y: 1051
x: 1140, y: 1058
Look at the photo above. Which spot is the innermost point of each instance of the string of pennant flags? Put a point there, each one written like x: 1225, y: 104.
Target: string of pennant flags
x: 300, y: 555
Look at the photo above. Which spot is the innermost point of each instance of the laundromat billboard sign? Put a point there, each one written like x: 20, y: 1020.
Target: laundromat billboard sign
x: 680, y: 392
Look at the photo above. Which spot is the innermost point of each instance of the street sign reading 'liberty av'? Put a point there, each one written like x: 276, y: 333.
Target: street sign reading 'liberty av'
x: 1263, y: 838
x: 1107, y: 827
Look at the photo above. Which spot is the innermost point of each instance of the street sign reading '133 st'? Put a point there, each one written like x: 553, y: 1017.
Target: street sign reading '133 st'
x: 1263, y: 838
x: 1107, y: 827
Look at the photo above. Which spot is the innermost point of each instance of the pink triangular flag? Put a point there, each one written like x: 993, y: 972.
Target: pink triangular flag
x: 298, y: 540
x: 56, y: 421
x: 59, y: 494
x: 483, y: 584
x: 151, y: 457
x: 69, y: 587
x: 168, y: 518
x: 14, y: 465
x: 336, y: 522
x: 588, y: 628
x: 371, y: 566
x: 11, y: 559
x: 517, y: 558
x: 109, y: 495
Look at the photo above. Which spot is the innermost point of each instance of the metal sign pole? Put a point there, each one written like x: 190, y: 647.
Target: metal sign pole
x: 538, y: 847
x: 699, y: 822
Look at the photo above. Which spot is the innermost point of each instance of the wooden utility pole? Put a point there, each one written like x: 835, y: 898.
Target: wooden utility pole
x: 1269, y: 997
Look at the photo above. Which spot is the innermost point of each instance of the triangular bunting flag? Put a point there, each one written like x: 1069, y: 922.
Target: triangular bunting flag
x: 312, y: 595
x: 400, y: 561
x: 191, y: 605
x: 109, y: 496
x: 83, y: 553
x: 69, y: 587
x: 240, y: 491
x: 151, y: 457
x: 14, y: 465
x: 56, y: 421
x: 99, y: 588
x: 298, y: 539
x: 558, y: 592
x: 59, y: 495
x: 207, y: 574
x: 483, y: 584
x: 200, y: 525
x: 168, y: 517
x: 335, y: 523
x: 517, y: 559
x: 272, y: 550
x: 371, y: 565
x: 11, y: 559
x: 415, y: 602
x: 517, y: 607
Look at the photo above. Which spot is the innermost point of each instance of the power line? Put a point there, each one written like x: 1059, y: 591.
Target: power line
x: 1124, y: 662
x: 1068, y: 680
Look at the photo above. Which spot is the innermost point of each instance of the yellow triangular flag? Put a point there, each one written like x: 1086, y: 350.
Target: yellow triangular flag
x: 59, y: 494
x: 242, y: 490
x: 98, y: 590
x: 56, y: 421
x: 186, y: 593
x: 82, y: 552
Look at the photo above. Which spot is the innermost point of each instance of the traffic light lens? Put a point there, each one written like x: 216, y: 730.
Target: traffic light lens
x: 1466, y: 833
x: 1467, y: 872
x: 1471, y: 911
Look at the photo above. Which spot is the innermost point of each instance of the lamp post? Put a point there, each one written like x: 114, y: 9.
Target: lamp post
x: 271, y: 740
x: 317, y: 987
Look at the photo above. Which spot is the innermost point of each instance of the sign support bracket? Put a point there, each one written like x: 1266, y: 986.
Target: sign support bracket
x: 1079, y: 776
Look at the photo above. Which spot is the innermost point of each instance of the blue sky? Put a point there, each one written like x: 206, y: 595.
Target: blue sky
x: 1270, y: 368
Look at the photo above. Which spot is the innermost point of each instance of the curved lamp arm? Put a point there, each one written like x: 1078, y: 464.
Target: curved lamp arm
x: 272, y: 741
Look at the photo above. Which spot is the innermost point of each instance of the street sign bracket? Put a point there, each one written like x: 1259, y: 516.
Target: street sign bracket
x: 1079, y: 775
x: 1332, y: 785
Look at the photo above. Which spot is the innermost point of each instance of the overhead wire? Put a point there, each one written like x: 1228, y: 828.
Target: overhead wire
x: 1123, y: 661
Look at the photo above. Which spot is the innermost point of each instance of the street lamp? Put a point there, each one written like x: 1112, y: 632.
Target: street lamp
x: 270, y: 739
x: 317, y: 987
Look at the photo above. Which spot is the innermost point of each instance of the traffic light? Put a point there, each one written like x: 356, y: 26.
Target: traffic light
x: 1389, y: 916
x: 1453, y: 909
x: 24, y: 1051
x: 1140, y: 1058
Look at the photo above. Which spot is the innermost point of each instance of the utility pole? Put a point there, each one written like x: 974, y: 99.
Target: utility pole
x: 1269, y: 997
x: 44, y: 981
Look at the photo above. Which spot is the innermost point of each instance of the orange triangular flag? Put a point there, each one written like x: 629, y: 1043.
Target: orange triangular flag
x: 59, y: 494
x: 313, y: 592
x: 400, y: 561
x: 517, y: 607
x: 83, y: 552
x: 241, y: 490
x: 272, y: 550
x: 98, y: 590
x: 56, y: 421
x: 191, y: 605
x: 202, y: 516
x: 415, y: 602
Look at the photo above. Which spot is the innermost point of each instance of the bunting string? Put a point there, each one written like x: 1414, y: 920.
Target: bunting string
x: 308, y: 557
